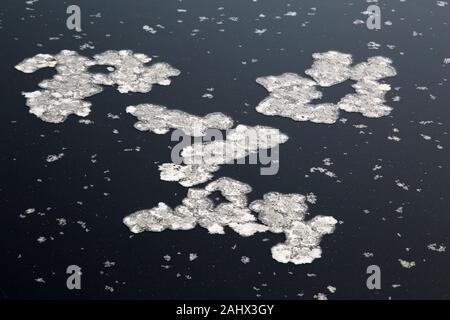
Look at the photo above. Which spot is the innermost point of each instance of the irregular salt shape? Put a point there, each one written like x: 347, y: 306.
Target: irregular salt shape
x: 376, y: 68
x: 192, y: 256
x: 160, y: 120
x: 197, y: 208
x: 436, y: 247
x: 278, y: 213
x: 64, y: 94
x: 149, y: 29
x: 37, y: 62
x: 370, y: 94
x: 203, y: 158
x: 285, y: 213
x: 54, y: 157
x: 245, y: 259
x: 368, y: 100
x: 330, y: 68
x: 407, y: 264
x: 131, y: 74
x: 320, y: 296
x: 232, y: 190
x: 240, y: 142
x: 188, y: 175
x: 291, y: 95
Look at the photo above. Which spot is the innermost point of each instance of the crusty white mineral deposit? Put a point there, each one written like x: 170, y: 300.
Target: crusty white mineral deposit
x: 277, y: 213
x: 239, y: 143
x: 198, y: 209
x: 202, y: 159
x: 160, y: 120
x: 187, y: 175
x: 64, y: 94
x: 284, y: 213
x: 330, y: 68
x: 291, y: 95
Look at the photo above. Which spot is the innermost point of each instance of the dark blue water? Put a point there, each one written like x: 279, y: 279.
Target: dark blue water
x: 214, y: 59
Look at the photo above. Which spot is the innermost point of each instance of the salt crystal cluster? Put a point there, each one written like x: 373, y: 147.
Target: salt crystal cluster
x: 159, y: 120
x: 64, y: 94
x: 330, y: 68
x: 198, y: 209
x: 277, y: 213
x: 202, y: 159
x: 291, y: 95
x: 187, y: 175
x: 240, y: 142
x: 285, y: 213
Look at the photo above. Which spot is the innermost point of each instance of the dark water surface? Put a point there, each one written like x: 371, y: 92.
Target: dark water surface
x: 214, y: 59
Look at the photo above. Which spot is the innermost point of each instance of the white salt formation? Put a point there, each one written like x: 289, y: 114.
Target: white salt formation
x: 160, y: 120
x: 285, y: 213
x: 240, y: 142
x: 369, y: 98
x: 197, y: 208
x: 187, y: 175
x: 131, y: 74
x: 202, y: 159
x: 330, y: 68
x: 278, y: 213
x: 291, y: 95
x: 64, y: 94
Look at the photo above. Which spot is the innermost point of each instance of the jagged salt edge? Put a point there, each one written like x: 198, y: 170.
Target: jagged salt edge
x: 278, y: 213
x: 64, y: 94
x: 290, y: 95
